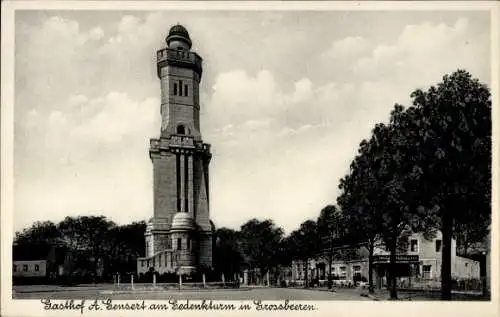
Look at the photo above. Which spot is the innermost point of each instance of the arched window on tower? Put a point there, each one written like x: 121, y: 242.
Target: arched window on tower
x: 181, y: 129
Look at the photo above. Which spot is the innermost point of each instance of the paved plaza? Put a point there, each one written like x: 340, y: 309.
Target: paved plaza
x: 256, y: 293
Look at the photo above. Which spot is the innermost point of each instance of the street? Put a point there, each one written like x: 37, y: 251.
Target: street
x: 259, y: 293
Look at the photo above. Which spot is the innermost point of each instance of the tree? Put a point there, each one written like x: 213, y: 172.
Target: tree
x: 379, y: 193
x: 125, y: 243
x: 36, y: 241
x: 358, y: 202
x: 260, y: 242
x: 329, y: 225
x: 88, y: 234
x: 470, y: 234
x: 40, y: 233
x: 455, y: 156
x: 227, y: 254
x: 304, y: 242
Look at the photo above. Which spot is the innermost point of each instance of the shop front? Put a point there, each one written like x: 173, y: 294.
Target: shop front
x: 406, y: 268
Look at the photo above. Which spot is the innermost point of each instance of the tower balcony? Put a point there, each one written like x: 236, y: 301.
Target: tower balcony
x: 180, y: 58
x: 186, y: 143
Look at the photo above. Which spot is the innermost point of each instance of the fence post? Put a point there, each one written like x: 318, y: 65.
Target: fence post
x: 204, y: 280
x: 132, y: 281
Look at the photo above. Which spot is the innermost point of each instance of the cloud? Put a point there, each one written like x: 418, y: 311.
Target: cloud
x: 349, y: 47
x: 424, y: 52
x: 87, y: 162
x: 284, y: 119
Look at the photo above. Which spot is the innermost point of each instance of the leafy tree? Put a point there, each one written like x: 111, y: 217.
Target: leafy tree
x: 260, y: 242
x: 304, y: 242
x: 227, y: 254
x: 36, y: 241
x: 124, y: 244
x: 39, y: 234
x: 360, y: 201
x: 359, y: 211
x: 88, y: 233
x: 378, y: 194
x: 470, y: 235
x: 455, y: 157
x: 329, y: 225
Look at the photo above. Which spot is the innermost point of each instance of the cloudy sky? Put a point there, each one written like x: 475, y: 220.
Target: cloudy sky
x: 286, y: 99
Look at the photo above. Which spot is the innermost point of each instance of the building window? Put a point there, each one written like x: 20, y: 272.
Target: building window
x: 188, y: 244
x: 37, y: 268
x: 14, y: 268
x: 356, y: 269
x: 414, y: 245
x: 438, y: 245
x: 343, y: 272
x: 159, y: 260
x: 185, y: 90
x: 466, y: 264
x: 179, y: 243
x: 180, y: 87
x: 426, y: 271
x: 181, y: 129
x: 25, y: 268
x: 171, y: 260
x: 175, y: 89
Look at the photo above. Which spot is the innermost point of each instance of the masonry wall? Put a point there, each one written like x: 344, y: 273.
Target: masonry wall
x: 466, y: 268
x: 163, y: 263
x: 201, y: 204
x: 180, y: 109
x: 184, y: 256
x: 30, y: 266
x: 165, y: 186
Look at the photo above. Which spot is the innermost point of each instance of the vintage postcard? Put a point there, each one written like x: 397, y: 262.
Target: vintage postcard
x: 249, y: 157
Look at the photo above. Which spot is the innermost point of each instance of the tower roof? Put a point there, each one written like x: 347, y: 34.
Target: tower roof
x: 178, y: 32
x: 183, y: 221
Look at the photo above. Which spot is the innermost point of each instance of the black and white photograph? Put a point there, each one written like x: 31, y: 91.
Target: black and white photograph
x: 230, y: 155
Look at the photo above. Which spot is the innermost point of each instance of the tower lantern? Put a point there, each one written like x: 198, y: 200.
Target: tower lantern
x: 178, y: 38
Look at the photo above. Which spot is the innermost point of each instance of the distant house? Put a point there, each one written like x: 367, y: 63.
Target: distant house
x: 420, y: 261
x: 44, y: 263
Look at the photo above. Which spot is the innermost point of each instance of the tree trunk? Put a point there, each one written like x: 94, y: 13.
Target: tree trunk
x: 392, y: 271
x: 447, y: 230
x: 306, y: 283
x: 370, y: 267
x: 330, y: 260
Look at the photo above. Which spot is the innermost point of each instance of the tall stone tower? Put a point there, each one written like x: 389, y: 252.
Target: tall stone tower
x: 179, y: 235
